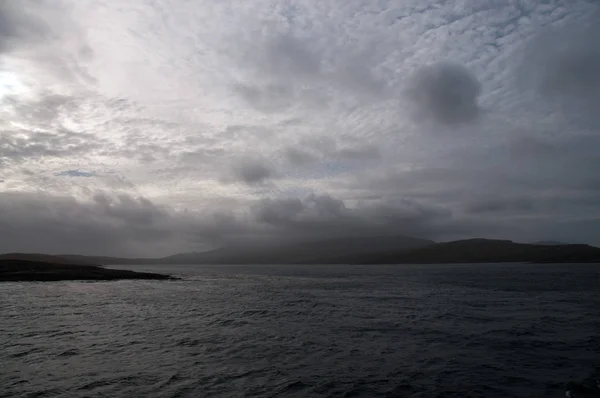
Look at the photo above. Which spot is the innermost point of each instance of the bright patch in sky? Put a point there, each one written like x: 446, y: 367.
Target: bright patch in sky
x: 10, y: 85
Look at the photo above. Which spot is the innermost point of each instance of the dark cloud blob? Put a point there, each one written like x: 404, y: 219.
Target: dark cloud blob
x: 252, y: 171
x: 445, y: 93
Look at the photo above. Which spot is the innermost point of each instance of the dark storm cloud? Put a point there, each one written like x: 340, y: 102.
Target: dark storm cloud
x: 252, y: 171
x: 445, y: 93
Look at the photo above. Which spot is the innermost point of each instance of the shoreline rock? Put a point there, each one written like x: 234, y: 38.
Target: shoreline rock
x: 36, y: 271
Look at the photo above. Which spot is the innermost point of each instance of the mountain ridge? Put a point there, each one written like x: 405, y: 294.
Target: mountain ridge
x: 354, y: 250
x: 480, y: 250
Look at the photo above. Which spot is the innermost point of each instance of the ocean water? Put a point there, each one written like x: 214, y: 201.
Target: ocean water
x: 306, y: 331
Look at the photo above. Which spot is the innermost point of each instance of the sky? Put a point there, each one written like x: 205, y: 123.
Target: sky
x: 147, y: 128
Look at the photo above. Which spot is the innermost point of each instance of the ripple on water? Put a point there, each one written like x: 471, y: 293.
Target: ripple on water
x: 305, y: 332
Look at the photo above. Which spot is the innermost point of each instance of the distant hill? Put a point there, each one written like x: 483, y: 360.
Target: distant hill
x: 104, y: 260
x: 298, y: 252
x: 482, y: 251
x: 549, y: 243
x: 294, y: 252
x: 355, y: 250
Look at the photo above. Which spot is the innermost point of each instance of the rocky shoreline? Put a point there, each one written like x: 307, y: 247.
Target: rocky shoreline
x: 37, y: 271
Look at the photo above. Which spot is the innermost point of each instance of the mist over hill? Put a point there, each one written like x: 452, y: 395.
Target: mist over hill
x: 354, y: 250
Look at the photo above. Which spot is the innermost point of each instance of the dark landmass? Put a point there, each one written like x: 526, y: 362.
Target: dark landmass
x: 298, y: 253
x: 550, y: 243
x: 289, y: 253
x: 358, y: 250
x: 481, y: 251
x: 13, y: 270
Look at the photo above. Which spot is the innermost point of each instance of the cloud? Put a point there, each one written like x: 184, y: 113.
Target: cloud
x: 282, y: 69
x: 354, y: 72
x: 566, y: 61
x: 43, y: 110
x: 286, y: 55
x: 105, y: 224
x: 320, y: 216
x: 19, y: 146
x: 18, y: 26
x: 366, y: 152
x: 277, y: 120
x: 446, y: 93
x: 111, y: 224
x: 314, y: 208
x: 501, y: 205
x: 299, y: 157
x: 76, y: 173
x: 563, y: 65
x: 266, y: 98
x: 252, y: 171
x: 43, y: 38
x: 331, y: 150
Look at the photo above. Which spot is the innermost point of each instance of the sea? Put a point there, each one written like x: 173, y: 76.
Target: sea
x: 476, y: 330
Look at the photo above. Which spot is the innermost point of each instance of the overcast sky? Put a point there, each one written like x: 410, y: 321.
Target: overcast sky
x: 152, y: 127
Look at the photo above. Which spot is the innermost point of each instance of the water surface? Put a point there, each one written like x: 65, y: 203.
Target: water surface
x: 305, y: 331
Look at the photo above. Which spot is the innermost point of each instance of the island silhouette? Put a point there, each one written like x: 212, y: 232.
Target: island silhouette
x: 352, y: 250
